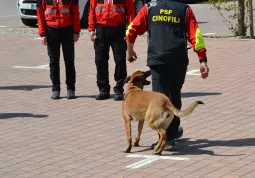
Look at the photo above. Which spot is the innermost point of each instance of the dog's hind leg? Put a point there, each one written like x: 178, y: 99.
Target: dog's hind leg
x: 140, y: 128
x: 162, y: 143
x: 129, y: 138
x: 159, y: 142
x: 158, y: 146
x: 163, y: 138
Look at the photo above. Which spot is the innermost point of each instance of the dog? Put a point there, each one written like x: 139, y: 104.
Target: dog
x: 153, y: 107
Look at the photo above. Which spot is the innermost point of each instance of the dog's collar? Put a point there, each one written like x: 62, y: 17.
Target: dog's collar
x: 132, y: 88
x: 135, y: 87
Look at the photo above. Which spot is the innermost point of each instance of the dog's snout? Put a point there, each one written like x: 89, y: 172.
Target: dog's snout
x: 147, y: 73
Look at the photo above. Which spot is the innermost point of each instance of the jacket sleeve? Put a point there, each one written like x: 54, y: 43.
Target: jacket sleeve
x: 138, y: 26
x: 195, y: 36
x: 76, y: 16
x: 40, y: 8
x: 92, y: 15
x: 130, y: 8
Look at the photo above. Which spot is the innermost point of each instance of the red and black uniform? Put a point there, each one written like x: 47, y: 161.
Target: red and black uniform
x: 59, y: 20
x: 170, y: 24
x: 109, y: 19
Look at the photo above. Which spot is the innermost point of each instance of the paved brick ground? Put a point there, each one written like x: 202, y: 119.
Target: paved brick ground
x: 85, y: 138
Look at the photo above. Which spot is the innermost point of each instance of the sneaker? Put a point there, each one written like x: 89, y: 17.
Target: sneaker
x: 55, y: 95
x: 70, y: 94
x: 118, y: 96
x: 170, y: 146
x: 171, y: 142
x: 102, y: 96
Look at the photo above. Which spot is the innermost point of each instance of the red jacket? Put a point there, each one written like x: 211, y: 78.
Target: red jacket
x: 139, y: 26
x: 110, y: 12
x: 58, y: 13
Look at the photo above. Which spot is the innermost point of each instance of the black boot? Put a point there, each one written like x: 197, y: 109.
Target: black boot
x: 102, y: 96
x: 55, y: 95
x: 70, y: 94
x: 118, y: 96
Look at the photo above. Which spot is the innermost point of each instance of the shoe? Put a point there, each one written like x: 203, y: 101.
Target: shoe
x: 118, y: 96
x: 102, y: 96
x: 171, y: 143
x: 55, y: 95
x: 70, y: 94
x: 170, y: 146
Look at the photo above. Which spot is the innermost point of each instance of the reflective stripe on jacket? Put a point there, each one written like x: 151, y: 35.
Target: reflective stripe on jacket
x: 110, y: 12
x: 58, y: 14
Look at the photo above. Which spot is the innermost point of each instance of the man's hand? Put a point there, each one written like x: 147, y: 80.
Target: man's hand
x: 92, y: 36
x: 76, y: 37
x: 44, y: 40
x: 204, y: 70
x: 131, y: 57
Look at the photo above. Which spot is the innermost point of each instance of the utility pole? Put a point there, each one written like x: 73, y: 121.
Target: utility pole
x: 251, y: 19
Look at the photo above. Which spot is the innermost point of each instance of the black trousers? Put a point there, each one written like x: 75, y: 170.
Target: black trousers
x: 113, y: 37
x: 55, y: 38
x: 169, y: 79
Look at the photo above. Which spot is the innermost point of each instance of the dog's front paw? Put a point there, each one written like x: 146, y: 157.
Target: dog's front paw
x: 127, y: 150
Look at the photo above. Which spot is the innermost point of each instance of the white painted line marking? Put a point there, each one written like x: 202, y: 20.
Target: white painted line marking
x: 193, y: 72
x: 5, y: 16
x: 38, y: 38
x: 149, y: 159
x: 3, y: 26
x: 91, y: 76
x: 36, y: 67
x: 142, y: 163
x: 208, y: 34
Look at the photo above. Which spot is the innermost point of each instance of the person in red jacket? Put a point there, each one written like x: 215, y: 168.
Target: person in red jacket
x: 59, y: 24
x: 170, y: 24
x: 107, y: 22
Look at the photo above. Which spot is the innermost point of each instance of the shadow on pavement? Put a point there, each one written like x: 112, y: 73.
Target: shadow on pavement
x: 15, y: 115
x: 201, y: 22
x: 91, y: 96
x: 195, y: 94
x: 198, y: 147
x: 184, y: 95
x: 24, y: 87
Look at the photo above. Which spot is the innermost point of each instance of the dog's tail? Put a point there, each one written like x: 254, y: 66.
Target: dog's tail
x: 185, y: 112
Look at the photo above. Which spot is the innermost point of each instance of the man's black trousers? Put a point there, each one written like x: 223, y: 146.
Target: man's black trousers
x: 168, y: 79
x: 113, y: 37
x: 55, y: 38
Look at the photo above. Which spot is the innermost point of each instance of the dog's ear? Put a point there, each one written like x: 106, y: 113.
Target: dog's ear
x: 127, y: 79
x: 136, y: 79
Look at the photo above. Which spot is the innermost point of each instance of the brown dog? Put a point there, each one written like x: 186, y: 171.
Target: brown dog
x: 153, y: 107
